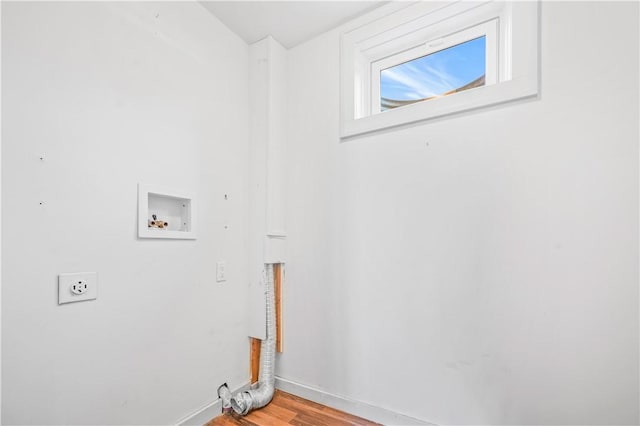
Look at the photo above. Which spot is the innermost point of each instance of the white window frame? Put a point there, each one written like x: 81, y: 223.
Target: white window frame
x: 399, y: 27
x: 488, y: 30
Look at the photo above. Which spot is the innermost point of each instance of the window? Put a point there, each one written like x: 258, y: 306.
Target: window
x: 445, y: 72
x: 448, y: 65
x: 406, y: 63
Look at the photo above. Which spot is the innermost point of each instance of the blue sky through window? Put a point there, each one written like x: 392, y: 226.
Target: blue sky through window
x: 443, y: 72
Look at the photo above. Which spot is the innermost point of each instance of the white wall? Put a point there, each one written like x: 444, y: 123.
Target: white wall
x: 0, y: 223
x: 478, y: 269
x: 112, y: 94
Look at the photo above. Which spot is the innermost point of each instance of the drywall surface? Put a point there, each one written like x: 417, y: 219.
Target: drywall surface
x: 478, y: 269
x: 109, y: 95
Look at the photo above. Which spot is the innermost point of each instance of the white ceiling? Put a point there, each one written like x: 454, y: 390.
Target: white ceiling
x: 289, y: 22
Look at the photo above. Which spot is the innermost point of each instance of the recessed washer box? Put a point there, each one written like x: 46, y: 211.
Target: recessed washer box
x: 165, y: 213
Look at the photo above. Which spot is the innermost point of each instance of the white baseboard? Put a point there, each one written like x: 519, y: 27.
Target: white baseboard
x: 357, y: 408
x: 208, y: 412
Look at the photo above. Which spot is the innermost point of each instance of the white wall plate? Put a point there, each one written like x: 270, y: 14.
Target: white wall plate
x: 77, y: 286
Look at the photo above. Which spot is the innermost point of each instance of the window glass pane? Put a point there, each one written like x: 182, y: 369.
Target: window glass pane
x: 441, y: 73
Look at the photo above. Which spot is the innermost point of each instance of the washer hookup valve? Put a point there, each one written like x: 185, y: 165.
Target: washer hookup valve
x: 155, y: 223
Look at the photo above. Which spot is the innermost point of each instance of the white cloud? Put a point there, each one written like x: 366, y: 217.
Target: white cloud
x: 423, y: 82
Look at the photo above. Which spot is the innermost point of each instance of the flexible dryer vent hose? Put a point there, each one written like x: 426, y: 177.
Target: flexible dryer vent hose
x: 243, y: 402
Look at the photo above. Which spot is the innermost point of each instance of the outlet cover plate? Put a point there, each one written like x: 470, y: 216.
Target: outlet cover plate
x: 67, y: 280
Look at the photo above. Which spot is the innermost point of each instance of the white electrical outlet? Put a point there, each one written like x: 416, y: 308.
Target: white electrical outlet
x: 78, y: 286
x: 221, y: 271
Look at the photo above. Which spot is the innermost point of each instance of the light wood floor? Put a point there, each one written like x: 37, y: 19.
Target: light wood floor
x: 286, y: 409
